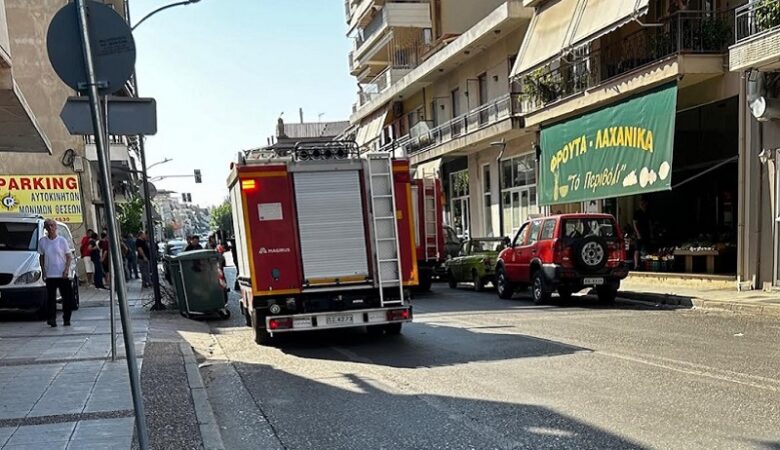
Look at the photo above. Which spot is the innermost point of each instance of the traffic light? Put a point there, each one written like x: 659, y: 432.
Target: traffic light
x: 197, y: 176
x: 189, y: 198
x: 186, y: 197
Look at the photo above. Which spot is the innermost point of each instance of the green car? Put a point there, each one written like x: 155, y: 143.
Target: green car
x: 475, y: 263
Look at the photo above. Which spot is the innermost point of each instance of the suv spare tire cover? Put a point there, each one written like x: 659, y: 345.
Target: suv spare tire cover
x: 590, y: 253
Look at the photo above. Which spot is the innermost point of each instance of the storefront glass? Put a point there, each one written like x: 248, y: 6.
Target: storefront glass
x: 518, y: 191
x: 459, y: 202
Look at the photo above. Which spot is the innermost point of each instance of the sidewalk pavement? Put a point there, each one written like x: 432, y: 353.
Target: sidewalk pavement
x: 751, y: 302
x: 59, y: 387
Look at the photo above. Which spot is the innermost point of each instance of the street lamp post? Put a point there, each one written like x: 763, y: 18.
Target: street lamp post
x: 158, y: 305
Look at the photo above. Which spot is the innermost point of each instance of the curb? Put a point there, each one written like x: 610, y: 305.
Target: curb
x: 209, y: 430
x: 700, y: 303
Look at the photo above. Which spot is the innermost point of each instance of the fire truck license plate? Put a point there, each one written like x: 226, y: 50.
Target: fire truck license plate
x: 593, y: 281
x: 338, y: 320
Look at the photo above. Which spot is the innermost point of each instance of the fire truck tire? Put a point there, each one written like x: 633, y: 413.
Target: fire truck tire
x: 393, y: 329
x: 426, y: 279
x: 262, y: 337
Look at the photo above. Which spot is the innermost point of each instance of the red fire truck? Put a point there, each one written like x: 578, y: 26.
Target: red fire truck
x: 324, y: 239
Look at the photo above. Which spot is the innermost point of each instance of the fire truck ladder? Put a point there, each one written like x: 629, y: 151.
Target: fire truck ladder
x: 430, y: 203
x: 387, y: 250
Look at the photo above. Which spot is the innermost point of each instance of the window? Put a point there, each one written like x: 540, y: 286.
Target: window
x: 548, y: 230
x: 18, y: 236
x: 520, y: 236
x: 487, y: 200
x: 483, y: 99
x: 579, y: 228
x: 455, y: 102
x: 459, y: 202
x: 534, y: 236
x: 518, y: 191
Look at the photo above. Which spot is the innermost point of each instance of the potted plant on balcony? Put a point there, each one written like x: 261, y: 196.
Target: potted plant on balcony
x: 716, y: 33
x: 540, y: 85
x: 767, y: 14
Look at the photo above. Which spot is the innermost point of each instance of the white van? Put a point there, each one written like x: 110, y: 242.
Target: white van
x: 21, y: 285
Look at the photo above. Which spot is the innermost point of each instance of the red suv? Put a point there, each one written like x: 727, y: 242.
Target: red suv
x: 564, y: 253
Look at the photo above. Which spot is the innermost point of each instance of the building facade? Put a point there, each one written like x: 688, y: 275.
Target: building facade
x: 33, y: 97
x: 545, y: 106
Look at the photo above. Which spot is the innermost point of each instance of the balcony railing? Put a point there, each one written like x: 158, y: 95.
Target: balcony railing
x: 491, y: 113
x: 698, y: 32
x: 372, y: 28
x: 755, y: 18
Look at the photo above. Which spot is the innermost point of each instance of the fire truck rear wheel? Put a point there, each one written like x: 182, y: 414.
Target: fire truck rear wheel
x: 393, y: 329
x: 262, y: 337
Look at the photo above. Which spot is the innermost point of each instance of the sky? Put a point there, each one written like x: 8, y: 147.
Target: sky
x: 223, y: 70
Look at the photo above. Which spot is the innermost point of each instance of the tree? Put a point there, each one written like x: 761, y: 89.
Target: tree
x: 222, y: 218
x: 131, y: 216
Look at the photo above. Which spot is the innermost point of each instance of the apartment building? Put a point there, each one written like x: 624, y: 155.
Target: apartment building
x: 755, y: 56
x: 31, y: 131
x: 434, y: 85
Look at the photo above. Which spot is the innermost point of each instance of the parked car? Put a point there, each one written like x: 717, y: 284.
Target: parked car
x: 476, y: 262
x: 452, y: 243
x: 564, y: 253
x: 22, y: 287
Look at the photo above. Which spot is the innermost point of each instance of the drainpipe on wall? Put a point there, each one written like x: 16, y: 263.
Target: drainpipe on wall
x: 742, y: 204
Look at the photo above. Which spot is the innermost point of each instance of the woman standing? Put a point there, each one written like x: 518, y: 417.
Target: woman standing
x: 95, y: 254
x: 104, y: 257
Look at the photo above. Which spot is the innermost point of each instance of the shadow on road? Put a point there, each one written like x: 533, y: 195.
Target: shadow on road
x: 348, y: 411
x: 423, y: 345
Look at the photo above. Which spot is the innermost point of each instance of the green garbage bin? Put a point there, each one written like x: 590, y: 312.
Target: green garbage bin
x: 197, y: 279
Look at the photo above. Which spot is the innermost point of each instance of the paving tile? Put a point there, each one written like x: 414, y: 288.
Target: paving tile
x: 38, y: 434
x: 5, y: 434
x: 104, y: 429
x: 39, y: 446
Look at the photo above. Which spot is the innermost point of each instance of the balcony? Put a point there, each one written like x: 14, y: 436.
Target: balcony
x: 422, y: 138
x: 371, y: 38
x: 757, y: 40
x: 593, y: 65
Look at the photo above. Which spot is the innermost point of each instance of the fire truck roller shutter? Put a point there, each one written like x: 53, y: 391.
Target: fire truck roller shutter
x: 331, y: 225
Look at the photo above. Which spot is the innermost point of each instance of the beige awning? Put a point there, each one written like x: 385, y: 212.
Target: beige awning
x: 569, y: 23
x: 546, y: 35
x: 19, y: 130
x: 428, y: 169
x: 370, y: 128
x: 599, y: 17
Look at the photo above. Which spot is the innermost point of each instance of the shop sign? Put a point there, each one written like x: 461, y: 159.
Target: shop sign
x: 621, y: 149
x: 55, y: 197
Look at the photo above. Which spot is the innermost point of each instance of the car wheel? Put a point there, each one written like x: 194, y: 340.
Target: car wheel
x: 451, y: 280
x: 564, y: 294
x: 539, y: 291
x: 393, y: 329
x: 76, y: 295
x: 262, y: 336
x: 479, y: 285
x: 504, y: 287
x: 606, y: 294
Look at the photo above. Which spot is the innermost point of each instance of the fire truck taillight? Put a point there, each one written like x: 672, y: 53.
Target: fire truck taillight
x: 280, y: 324
x: 248, y: 185
x: 399, y: 314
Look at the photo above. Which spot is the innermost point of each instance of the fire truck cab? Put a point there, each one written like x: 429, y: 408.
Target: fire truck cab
x: 324, y: 239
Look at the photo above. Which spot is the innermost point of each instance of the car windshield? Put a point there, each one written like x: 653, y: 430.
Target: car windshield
x: 589, y: 226
x: 487, y: 245
x: 18, y: 236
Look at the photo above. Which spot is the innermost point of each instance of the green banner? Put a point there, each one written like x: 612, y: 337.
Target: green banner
x: 621, y: 149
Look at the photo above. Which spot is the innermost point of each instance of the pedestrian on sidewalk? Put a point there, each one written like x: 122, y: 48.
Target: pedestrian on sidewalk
x: 142, y: 247
x: 132, y: 256
x: 94, y: 253
x: 105, y: 257
x: 55, y: 262
x: 89, y: 266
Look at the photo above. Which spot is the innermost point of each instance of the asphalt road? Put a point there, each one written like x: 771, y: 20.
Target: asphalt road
x: 474, y: 371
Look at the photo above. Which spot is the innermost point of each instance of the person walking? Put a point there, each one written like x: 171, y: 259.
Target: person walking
x: 132, y: 256
x: 55, y: 262
x: 89, y: 266
x: 142, y: 248
x: 94, y: 254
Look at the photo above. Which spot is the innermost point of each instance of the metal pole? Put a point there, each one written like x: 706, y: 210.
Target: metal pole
x: 155, y: 275
x: 114, y: 248
x: 111, y: 286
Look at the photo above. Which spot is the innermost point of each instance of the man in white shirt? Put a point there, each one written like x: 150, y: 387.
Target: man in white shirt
x: 55, y: 263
